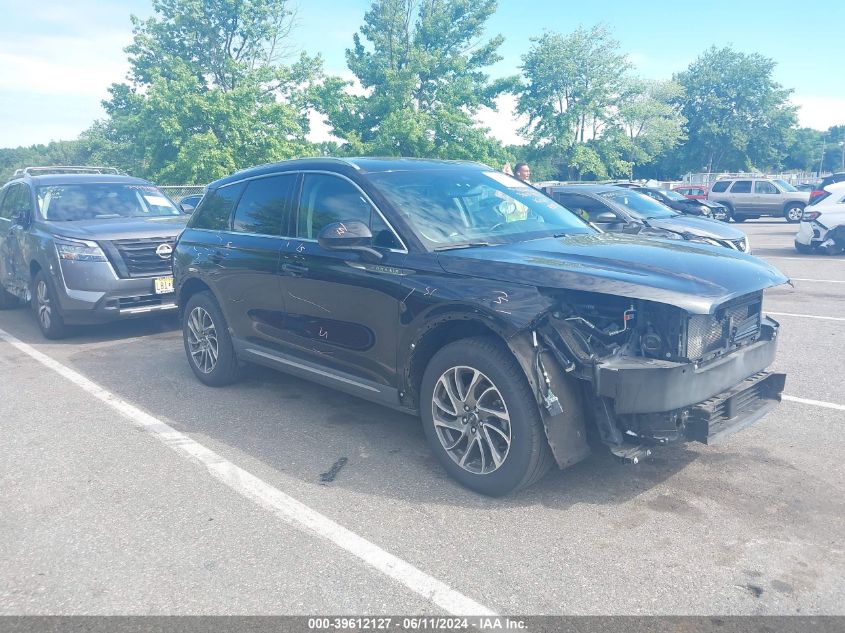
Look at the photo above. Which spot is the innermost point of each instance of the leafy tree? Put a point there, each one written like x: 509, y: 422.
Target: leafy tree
x: 805, y: 151
x: 420, y: 65
x: 207, y: 92
x: 737, y: 116
x: 650, y: 119
x: 571, y: 94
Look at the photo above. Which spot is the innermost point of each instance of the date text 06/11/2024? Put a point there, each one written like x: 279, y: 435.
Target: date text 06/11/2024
x: 415, y: 623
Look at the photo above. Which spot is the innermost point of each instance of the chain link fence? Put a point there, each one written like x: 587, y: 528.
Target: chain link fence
x: 177, y: 192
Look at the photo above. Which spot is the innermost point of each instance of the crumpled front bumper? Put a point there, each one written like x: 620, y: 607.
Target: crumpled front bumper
x: 643, y: 385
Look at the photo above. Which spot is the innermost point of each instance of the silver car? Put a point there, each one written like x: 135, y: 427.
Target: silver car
x: 751, y: 198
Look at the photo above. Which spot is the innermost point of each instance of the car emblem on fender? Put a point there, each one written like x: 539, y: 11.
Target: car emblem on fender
x: 164, y: 251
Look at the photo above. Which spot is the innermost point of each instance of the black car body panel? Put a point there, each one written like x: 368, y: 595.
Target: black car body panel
x: 620, y: 315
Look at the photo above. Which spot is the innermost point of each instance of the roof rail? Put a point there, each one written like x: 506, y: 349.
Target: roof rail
x: 64, y: 169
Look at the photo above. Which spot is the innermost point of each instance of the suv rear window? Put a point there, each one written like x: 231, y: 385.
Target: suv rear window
x: 216, y: 208
x: 741, y: 186
x: 720, y: 186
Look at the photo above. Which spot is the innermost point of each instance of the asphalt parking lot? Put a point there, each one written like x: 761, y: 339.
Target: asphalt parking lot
x: 103, y: 516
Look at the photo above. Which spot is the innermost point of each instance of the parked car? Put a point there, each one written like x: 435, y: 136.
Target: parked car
x: 808, y: 186
x: 687, y: 206
x: 455, y: 292
x: 825, y: 182
x: 693, y: 192
x: 823, y: 223
x: 751, y: 198
x: 628, y: 211
x: 86, y: 247
x: 189, y: 203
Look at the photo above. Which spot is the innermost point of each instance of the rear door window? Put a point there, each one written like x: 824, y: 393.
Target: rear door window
x: 741, y: 186
x: 721, y: 186
x: 761, y: 186
x: 216, y: 208
x: 264, y: 206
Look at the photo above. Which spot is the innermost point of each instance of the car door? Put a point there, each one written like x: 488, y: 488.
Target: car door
x: 248, y: 257
x: 766, y: 199
x: 741, y: 197
x: 342, y: 309
x: 15, y: 215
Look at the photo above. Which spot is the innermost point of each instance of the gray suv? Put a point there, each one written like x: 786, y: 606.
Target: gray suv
x: 751, y: 198
x: 86, y: 245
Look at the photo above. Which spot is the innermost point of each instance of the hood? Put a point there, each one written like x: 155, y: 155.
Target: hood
x: 699, y: 203
x: 122, y: 228
x: 696, y: 278
x: 704, y: 227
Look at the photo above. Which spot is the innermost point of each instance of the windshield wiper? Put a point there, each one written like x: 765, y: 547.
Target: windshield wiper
x: 449, y: 247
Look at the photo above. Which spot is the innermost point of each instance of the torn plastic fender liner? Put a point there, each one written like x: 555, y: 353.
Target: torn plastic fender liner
x: 566, y: 431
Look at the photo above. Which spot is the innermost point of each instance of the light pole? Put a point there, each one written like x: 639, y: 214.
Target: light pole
x: 821, y: 158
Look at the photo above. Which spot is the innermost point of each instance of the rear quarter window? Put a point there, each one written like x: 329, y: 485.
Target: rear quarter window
x: 720, y: 187
x: 216, y: 207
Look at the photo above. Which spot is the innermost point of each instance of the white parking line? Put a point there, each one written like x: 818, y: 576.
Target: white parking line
x: 820, y: 281
x: 280, y: 504
x: 815, y: 403
x: 806, y: 316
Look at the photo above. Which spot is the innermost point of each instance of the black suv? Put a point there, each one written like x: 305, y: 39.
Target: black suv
x: 86, y: 245
x: 453, y: 291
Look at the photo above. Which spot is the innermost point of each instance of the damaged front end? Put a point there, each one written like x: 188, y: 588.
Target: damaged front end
x: 649, y: 373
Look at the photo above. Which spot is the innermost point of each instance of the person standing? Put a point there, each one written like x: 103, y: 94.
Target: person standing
x: 522, y: 172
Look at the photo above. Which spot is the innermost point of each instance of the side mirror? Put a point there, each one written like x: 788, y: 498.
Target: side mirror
x: 351, y: 235
x: 606, y: 217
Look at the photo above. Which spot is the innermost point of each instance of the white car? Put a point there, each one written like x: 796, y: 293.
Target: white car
x: 823, y: 223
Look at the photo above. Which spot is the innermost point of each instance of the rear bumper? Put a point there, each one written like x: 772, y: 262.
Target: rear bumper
x: 641, y: 385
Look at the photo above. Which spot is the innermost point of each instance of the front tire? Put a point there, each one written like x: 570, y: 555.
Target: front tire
x: 48, y: 312
x: 481, y: 419
x: 208, y: 345
x: 793, y: 213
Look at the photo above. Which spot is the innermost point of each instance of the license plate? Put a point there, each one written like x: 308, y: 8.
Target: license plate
x: 163, y: 285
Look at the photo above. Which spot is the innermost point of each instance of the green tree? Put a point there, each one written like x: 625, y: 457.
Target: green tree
x: 738, y: 117
x: 207, y: 93
x: 805, y: 151
x: 650, y: 119
x: 421, y: 67
x: 572, y: 89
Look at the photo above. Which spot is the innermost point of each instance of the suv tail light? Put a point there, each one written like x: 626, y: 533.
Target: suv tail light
x: 818, y: 194
x: 807, y: 216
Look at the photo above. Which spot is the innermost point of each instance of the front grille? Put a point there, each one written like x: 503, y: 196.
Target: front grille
x: 733, y: 324
x: 138, y: 258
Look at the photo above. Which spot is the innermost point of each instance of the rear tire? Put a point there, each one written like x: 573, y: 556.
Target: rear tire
x: 793, y: 212
x: 47, y: 310
x: 804, y: 249
x: 488, y: 434
x: 208, y: 344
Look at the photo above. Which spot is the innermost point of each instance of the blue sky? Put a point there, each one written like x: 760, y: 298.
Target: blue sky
x: 58, y: 58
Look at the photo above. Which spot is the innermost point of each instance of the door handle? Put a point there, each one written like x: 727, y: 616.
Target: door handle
x: 294, y: 269
x: 216, y: 257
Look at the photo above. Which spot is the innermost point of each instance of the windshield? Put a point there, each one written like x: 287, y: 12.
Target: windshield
x: 785, y: 185
x: 640, y: 206
x: 68, y: 203
x: 463, y: 206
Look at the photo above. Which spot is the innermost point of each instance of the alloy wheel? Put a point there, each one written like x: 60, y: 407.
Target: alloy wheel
x: 45, y: 310
x: 202, y: 340
x: 793, y: 214
x: 471, y: 420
